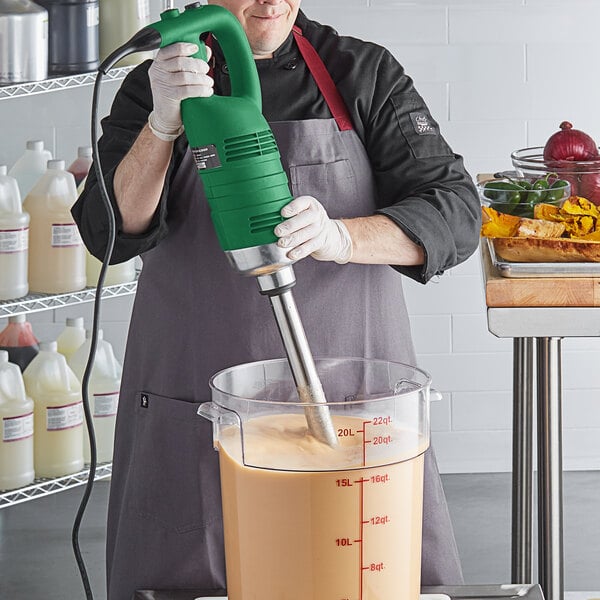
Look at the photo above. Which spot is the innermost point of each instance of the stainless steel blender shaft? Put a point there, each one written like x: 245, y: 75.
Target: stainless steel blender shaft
x: 278, y: 287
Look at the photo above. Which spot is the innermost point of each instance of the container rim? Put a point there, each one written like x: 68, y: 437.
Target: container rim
x: 373, y: 398
x: 535, y: 156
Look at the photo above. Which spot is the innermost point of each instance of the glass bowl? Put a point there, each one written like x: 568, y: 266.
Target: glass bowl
x: 518, y: 195
x: 584, y: 175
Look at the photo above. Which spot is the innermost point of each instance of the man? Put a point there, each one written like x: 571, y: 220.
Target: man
x: 374, y: 186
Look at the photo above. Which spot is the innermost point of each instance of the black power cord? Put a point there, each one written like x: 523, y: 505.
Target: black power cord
x: 145, y: 39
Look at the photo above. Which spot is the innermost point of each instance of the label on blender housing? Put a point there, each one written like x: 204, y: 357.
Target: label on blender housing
x: 17, y: 428
x: 14, y: 240
x: 65, y: 235
x: 206, y: 157
x: 64, y: 417
x: 105, y: 405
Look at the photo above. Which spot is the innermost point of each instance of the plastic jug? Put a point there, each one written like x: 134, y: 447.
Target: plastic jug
x: 71, y: 337
x: 303, y: 519
x: 30, y: 166
x: 58, y: 413
x: 16, y: 412
x: 103, y: 392
x: 80, y: 167
x: 115, y: 274
x: 119, y: 20
x: 56, y: 251
x: 18, y: 339
x: 14, y: 239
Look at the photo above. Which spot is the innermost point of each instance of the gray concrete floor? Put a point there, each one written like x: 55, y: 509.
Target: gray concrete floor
x: 36, y: 559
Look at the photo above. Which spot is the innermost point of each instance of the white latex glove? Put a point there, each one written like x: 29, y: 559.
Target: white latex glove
x: 175, y: 75
x: 308, y: 230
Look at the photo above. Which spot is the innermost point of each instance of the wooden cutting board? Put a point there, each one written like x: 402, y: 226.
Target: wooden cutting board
x: 536, y: 291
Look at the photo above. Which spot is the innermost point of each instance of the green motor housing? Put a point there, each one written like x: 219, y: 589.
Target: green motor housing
x: 234, y: 149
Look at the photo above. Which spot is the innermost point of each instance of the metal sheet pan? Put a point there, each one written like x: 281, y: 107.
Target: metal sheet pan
x: 550, y: 270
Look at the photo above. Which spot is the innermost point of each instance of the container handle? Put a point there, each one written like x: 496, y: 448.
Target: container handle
x: 435, y: 396
x: 217, y: 414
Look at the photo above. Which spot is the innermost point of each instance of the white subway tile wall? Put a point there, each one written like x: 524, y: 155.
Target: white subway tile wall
x: 498, y: 75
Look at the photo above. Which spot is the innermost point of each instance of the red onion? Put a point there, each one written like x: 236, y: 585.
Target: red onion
x: 570, y: 144
x: 589, y: 187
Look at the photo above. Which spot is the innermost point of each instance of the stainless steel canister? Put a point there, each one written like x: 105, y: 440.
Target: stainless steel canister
x: 23, y: 41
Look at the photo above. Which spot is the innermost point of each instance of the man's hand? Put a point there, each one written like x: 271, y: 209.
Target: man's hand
x: 175, y: 75
x: 308, y: 230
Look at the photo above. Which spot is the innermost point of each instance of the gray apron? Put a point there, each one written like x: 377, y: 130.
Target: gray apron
x: 193, y: 316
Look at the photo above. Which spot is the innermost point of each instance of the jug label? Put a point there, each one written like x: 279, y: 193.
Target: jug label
x: 105, y: 405
x: 143, y: 10
x: 17, y: 428
x: 64, y: 417
x: 93, y: 15
x: 65, y: 235
x: 14, y: 240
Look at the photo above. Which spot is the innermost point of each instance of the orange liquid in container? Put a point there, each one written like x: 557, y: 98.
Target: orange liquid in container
x: 351, y: 532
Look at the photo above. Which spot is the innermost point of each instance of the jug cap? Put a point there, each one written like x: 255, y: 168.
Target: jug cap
x: 88, y: 334
x: 84, y: 152
x: 48, y: 346
x: 3, y: 169
x: 74, y: 322
x: 3, y: 356
x: 35, y: 144
x: 17, y: 319
x: 56, y: 164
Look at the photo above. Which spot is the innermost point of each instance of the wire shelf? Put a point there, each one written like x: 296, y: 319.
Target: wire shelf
x: 59, y: 83
x: 45, y: 487
x: 39, y: 302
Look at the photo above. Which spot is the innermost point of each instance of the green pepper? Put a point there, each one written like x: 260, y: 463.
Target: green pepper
x: 557, y: 190
x: 540, y: 186
x: 502, y: 192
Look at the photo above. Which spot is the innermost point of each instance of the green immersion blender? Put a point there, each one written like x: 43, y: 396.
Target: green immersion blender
x: 239, y: 163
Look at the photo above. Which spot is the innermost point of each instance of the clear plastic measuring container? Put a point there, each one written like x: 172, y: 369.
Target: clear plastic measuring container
x: 302, y: 519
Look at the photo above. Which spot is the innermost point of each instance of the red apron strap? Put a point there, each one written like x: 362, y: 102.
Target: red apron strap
x: 321, y: 75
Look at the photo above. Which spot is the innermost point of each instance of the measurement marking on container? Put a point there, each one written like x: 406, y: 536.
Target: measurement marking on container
x: 343, y: 483
x: 387, y: 420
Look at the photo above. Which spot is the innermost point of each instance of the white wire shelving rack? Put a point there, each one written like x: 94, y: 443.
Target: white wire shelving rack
x: 59, y: 83
x: 41, y: 302
x: 45, y: 487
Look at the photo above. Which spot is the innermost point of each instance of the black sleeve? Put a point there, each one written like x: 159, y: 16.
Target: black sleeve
x: 128, y: 115
x: 422, y: 185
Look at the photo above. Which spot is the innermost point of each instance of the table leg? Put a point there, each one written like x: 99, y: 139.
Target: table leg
x: 522, y: 472
x: 550, y: 519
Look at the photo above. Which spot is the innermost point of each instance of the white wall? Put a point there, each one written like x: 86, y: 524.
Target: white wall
x: 498, y: 75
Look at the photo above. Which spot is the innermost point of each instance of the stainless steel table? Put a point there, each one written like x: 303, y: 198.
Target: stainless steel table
x: 537, y: 331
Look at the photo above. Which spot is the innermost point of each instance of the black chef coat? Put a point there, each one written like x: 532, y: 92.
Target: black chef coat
x: 422, y: 185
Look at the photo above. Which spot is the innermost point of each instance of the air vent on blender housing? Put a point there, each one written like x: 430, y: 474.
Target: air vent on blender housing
x: 266, y: 222
x: 260, y: 143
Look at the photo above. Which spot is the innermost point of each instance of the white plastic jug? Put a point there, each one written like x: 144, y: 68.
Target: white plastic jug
x: 119, y: 20
x: 58, y: 413
x: 14, y: 239
x: 56, y: 251
x: 16, y: 413
x: 30, y: 166
x: 71, y: 337
x: 103, y: 391
x: 115, y: 274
